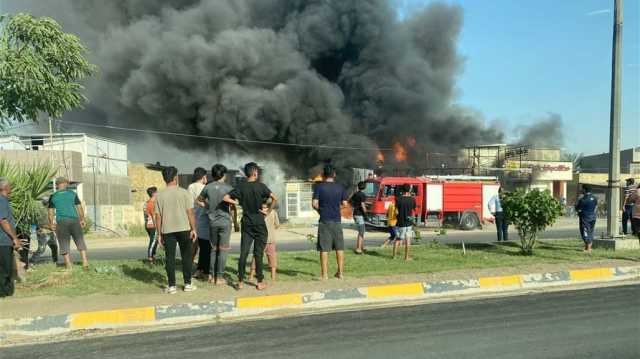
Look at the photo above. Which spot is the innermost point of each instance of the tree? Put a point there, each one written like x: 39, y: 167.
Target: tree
x: 531, y: 212
x: 40, y: 69
x: 29, y: 185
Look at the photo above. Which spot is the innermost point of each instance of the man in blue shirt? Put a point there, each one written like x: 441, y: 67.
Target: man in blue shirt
x: 8, y: 241
x: 586, y: 208
x: 328, y: 197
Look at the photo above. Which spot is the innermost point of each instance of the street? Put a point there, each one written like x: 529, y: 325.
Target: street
x: 592, y: 323
x: 294, y: 240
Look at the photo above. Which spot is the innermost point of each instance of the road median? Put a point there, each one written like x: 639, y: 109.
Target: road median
x: 243, y: 307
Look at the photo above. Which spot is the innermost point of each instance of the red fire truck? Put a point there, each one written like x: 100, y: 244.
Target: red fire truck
x: 461, y: 200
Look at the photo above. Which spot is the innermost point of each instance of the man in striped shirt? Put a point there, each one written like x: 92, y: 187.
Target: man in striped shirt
x: 628, y: 204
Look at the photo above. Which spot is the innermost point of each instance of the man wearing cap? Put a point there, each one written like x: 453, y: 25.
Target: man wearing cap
x: 66, y: 218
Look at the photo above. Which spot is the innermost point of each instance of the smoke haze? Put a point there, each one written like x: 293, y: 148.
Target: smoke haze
x: 328, y: 72
x: 545, y: 132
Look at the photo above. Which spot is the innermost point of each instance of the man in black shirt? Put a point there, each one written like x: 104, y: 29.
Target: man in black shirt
x: 250, y: 195
x: 328, y: 197
x: 359, y: 211
x: 405, y: 206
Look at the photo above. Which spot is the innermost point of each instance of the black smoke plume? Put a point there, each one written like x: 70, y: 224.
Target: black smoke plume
x: 329, y: 72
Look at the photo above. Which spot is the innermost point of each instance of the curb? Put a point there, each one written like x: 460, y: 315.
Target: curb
x: 248, y: 306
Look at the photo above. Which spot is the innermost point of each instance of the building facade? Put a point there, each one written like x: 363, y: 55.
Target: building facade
x: 98, y: 166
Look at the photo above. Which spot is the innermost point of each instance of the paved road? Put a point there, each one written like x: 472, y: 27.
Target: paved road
x: 595, y: 323
x: 374, y: 238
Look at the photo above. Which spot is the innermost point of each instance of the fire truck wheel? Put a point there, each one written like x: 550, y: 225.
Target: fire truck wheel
x: 469, y: 221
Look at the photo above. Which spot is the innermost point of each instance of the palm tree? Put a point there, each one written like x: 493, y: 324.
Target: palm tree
x: 30, y: 185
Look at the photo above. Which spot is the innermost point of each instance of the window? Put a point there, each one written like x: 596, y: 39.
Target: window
x: 372, y: 189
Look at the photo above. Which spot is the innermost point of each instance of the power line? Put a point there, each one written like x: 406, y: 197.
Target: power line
x: 217, y: 138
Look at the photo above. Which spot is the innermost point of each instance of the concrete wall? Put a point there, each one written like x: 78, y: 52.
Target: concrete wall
x: 68, y: 163
x: 115, y: 218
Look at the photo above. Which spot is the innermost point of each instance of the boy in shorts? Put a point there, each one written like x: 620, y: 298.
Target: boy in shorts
x: 273, y: 223
x: 405, y: 207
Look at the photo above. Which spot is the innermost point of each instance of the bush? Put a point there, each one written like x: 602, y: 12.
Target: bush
x: 531, y: 212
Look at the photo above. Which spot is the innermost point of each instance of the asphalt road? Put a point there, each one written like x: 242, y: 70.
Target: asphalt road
x: 594, y: 323
x: 374, y: 238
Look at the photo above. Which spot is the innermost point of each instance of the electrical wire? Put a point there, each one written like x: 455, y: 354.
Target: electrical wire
x: 228, y: 139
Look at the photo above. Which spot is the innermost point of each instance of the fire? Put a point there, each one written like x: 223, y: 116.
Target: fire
x: 380, y: 157
x: 399, y: 152
x: 411, y: 141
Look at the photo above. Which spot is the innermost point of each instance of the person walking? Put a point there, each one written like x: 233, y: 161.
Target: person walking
x: 358, y: 203
x: 586, y: 209
x: 250, y: 195
x: 150, y: 225
x: 46, y: 237
x: 66, y: 218
x: 495, y: 207
x: 202, y: 245
x: 221, y: 215
x: 629, y: 205
x: 176, y: 225
x: 328, y: 198
x: 9, y: 241
x: 405, y: 208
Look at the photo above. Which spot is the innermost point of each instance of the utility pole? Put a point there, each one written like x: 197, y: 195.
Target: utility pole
x: 613, y: 194
x: 51, y: 153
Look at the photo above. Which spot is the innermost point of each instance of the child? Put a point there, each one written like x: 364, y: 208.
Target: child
x: 273, y: 223
x: 150, y: 226
x: 392, y: 220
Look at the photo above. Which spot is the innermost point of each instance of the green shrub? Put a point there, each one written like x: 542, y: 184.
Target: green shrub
x: 29, y: 185
x: 531, y: 212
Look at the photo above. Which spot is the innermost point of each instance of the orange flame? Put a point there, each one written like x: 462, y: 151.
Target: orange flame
x: 399, y: 152
x: 380, y: 157
x: 411, y: 141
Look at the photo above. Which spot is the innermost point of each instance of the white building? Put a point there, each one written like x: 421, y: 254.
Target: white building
x: 98, y: 165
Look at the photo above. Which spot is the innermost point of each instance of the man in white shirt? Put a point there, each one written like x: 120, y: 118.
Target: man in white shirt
x: 495, y: 207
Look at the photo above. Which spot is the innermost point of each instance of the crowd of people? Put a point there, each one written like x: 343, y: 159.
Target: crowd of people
x: 199, y: 221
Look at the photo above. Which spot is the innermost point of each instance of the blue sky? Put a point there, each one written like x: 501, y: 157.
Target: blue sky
x: 525, y: 59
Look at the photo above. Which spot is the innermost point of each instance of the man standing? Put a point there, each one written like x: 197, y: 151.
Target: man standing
x: 176, y: 225
x: 66, y: 218
x: 150, y: 225
x: 202, y: 222
x: 627, y: 215
x: 405, y: 207
x: 8, y: 241
x: 359, y: 212
x: 221, y: 215
x: 328, y: 197
x: 250, y: 196
x: 495, y: 207
x: 586, y: 208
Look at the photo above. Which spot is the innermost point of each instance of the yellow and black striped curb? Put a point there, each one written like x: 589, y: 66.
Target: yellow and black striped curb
x: 245, y: 306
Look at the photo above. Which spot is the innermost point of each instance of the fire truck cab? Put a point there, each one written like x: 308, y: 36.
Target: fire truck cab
x: 460, y: 200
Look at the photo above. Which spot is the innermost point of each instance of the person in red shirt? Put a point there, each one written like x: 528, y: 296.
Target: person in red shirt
x: 150, y: 226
